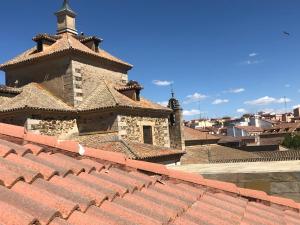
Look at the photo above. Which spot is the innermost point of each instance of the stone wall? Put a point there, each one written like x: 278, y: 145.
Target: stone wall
x: 54, y: 74
x: 97, y: 122
x: 131, y: 129
x: 284, y: 184
x: 91, y: 75
x: 176, y: 131
x: 59, y: 128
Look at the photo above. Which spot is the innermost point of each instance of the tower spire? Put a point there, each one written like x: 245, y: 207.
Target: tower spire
x: 66, y: 19
x: 172, y: 91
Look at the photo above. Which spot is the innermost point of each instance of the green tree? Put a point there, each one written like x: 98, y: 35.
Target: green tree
x: 291, y: 141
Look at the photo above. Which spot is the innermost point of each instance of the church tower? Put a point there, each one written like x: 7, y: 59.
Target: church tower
x: 176, y: 124
x: 66, y: 19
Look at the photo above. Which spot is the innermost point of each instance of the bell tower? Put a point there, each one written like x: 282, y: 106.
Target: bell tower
x: 176, y: 124
x: 66, y: 19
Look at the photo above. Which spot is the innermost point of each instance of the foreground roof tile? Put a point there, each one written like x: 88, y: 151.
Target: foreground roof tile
x: 11, y: 215
x: 37, y: 209
x: 42, y: 183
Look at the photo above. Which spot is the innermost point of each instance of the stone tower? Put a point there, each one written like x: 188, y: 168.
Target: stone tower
x: 66, y: 19
x: 176, y: 124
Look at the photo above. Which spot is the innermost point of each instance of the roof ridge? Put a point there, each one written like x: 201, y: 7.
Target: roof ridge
x: 73, y: 147
x: 110, y: 91
x: 49, y: 92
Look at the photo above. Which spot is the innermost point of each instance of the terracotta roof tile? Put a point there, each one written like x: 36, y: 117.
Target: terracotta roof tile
x: 44, y: 170
x: 20, y: 150
x: 35, y: 96
x: 59, y: 221
x: 82, y: 191
x: 250, y: 128
x: 35, y: 208
x: 28, y: 174
x: 10, y: 215
x: 193, y: 134
x: 132, y: 150
x: 5, y: 150
x: 8, y: 178
x: 77, y: 187
x: 51, y: 200
x: 64, y: 43
x: 61, y: 161
x: 128, y: 214
x: 82, y: 201
x: 35, y: 149
x: 78, y: 218
x: 107, y: 217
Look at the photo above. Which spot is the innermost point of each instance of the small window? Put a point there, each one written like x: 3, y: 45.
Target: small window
x: 78, y: 78
x: 79, y: 94
x: 78, y: 70
x: 78, y: 86
x: 147, y: 132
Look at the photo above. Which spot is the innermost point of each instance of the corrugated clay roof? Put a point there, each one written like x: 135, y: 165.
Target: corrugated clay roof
x: 194, y: 134
x: 111, y: 142
x: 47, y: 182
x: 64, y: 42
x: 35, y: 96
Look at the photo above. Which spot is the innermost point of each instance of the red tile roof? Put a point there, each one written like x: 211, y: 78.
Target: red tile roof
x: 250, y: 128
x: 63, y: 43
x: 194, y: 134
x: 47, y: 182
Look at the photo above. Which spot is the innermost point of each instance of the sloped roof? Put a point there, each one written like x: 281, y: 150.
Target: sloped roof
x: 281, y: 155
x: 250, y: 128
x: 47, y: 182
x: 283, y: 128
x: 215, y: 153
x: 33, y: 96
x: 194, y: 134
x: 110, y: 142
x: 106, y: 96
x: 9, y: 90
x: 65, y: 42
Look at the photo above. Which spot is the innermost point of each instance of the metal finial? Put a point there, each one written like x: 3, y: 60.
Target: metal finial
x: 66, y: 7
x: 172, y: 91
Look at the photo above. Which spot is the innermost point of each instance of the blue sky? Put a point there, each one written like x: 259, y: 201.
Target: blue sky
x: 224, y: 57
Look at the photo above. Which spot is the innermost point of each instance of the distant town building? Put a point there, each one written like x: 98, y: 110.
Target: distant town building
x: 243, y: 131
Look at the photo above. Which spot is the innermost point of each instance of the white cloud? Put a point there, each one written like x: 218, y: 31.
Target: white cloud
x: 220, y: 101
x: 237, y: 90
x: 287, y: 85
x: 253, y: 54
x: 274, y: 111
x: 162, y: 82
x: 195, y: 98
x: 252, y: 62
x: 192, y: 112
x: 163, y: 103
x: 296, y: 106
x: 267, y: 101
x: 241, y: 110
